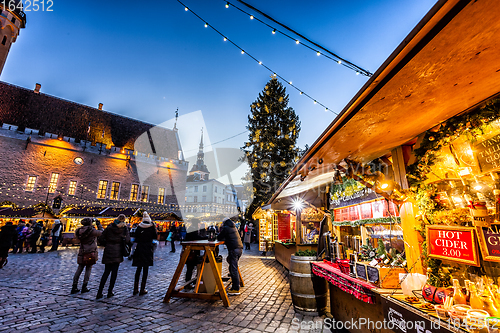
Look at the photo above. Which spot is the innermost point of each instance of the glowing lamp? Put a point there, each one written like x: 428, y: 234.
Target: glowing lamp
x: 227, y: 4
x: 298, y: 204
x: 274, y: 31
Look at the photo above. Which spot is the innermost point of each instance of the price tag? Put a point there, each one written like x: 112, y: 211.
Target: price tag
x: 453, y: 244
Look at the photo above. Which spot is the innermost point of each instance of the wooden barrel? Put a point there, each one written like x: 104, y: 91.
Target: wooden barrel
x: 309, y: 292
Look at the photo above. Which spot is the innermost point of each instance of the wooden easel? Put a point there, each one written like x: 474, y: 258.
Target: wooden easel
x: 209, y: 248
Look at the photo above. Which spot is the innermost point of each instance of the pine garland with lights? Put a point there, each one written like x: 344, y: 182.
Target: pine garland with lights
x: 471, y: 124
x: 271, y: 148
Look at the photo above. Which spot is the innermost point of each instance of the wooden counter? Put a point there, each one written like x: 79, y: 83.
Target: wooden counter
x: 284, y: 251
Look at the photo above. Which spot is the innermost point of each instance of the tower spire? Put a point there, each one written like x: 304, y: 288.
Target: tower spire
x: 201, y: 141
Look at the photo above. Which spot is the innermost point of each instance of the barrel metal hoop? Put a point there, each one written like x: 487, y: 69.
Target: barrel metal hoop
x: 309, y: 295
x: 300, y: 274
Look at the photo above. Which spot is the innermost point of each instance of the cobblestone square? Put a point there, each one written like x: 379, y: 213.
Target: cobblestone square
x: 35, y: 297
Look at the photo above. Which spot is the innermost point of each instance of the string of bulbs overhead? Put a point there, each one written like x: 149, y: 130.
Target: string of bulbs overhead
x: 327, y: 53
x: 226, y: 39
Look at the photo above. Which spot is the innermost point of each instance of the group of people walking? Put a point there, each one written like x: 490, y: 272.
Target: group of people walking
x: 116, y: 241
x: 28, y: 237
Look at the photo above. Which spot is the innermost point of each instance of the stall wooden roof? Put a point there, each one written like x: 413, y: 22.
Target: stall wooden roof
x: 447, y: 65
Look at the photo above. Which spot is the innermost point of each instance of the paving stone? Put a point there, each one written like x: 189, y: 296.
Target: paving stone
x: 34, y: 293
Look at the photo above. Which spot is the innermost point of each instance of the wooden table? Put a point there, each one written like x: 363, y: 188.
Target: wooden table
x: 209, y: 248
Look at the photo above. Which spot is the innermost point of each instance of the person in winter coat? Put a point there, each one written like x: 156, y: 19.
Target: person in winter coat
x: 21, y: 237
x: 231, y: 237
x: 8, y: 236
x: 248, y: 235
x: 132, y: 239
x: 143, y: 255
x: 35, y: 234
x: 56, y: 235
x: 113, y: 237
x: 87, y: 254
x: 173, y: 237
x: 44, y: 238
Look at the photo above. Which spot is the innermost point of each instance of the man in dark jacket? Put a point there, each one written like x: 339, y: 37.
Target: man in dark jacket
x: 231, y: 237
x: 37, y: 230
x: 8, y: 236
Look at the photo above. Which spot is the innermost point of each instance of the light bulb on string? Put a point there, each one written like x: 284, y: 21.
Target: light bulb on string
x: 315, y: 102
x: 339, y: 62
x: 242, y: 52
x: 206, y: 25
x: 297, y: 42
x: 227, y: 4
x: 251, y: 17
x: 260, y: 62
x: 186, y: 9
x: 318, y: 53
x: 225, y: 38
x: 274, y: 31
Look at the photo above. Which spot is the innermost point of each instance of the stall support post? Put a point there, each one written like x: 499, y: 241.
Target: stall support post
x: 407, y: 215
x: 298, y: 225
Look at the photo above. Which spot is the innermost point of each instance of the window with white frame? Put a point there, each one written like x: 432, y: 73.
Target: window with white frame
x: 196, y: 188
x: 134, y: 190
x: 30, y: 184
x: 103, y: 188
x: 144, y: 193
x: 72, y: 187
x: 115, y: 191
x: 161, y: 195
x: 204, y: 188
x: 53, y: 182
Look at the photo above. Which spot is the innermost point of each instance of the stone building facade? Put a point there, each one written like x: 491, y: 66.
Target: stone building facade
x: 51, y: 147
x: 12, y: 20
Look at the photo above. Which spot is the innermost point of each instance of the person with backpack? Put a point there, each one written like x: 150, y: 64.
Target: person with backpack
x: 35, y: 234
x: 144, y: 253
x: 87, y: 254
x: 114, y: 238
x: 56, y: 235
x: 8, y: 236
x: 21, y: 237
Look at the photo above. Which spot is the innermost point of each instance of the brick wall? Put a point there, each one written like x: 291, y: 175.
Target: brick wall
x: 43, y: 156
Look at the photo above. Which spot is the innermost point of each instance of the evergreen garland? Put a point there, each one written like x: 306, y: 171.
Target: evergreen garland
x: 271, y: 149
x: 472, y: 124
x: 357, y: 223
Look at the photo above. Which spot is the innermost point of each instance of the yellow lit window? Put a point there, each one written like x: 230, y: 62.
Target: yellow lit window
x: 115, y: 191
x: 53, y: 182
x: 103, y: 187
x: 30, y: 185
x: 161, y: 195
x: 133, y: 192
x: 144, y: 193
x: 72, y: 187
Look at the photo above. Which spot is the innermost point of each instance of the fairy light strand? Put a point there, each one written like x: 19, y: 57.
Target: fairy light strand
x: 243, y: 51
x: 327, y: 53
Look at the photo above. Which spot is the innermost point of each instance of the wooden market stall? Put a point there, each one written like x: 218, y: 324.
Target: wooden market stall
x: 421, y: 139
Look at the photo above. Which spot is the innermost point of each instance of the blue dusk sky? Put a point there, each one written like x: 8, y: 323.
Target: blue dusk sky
x: 145, y: 59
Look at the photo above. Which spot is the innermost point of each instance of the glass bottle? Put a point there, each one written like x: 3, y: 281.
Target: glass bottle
x: 489, y: 306
x: 467, y: 291
x: 458, y: 295
x: 475, y: 300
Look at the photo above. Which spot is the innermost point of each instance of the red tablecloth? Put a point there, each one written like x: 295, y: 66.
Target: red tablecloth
x: 359, y: 289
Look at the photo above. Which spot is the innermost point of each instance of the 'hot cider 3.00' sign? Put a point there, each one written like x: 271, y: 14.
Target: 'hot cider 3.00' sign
x: 452, y: 243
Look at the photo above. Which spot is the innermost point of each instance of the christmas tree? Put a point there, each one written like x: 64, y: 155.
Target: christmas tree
x: 271, y: 149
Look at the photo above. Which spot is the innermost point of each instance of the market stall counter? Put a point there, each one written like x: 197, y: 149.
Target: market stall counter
x: 284, y: 250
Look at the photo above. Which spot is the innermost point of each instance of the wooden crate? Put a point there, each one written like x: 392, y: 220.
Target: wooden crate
x: 384, y: 277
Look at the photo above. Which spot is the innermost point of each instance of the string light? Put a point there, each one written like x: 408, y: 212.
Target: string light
x: 227, y: 4
x: 328, y: 54
x: 260, y: 63
x: 297, y: 42
x: 251, y: 17
x: 186, y: 9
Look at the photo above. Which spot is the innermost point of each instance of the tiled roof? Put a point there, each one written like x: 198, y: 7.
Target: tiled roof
x: 26, y: 109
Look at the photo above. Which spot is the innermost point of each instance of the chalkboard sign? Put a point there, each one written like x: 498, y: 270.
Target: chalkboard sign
x: 488, y: 154
x: 373, y: 274
x: 489, y: 240
x: 361, y: 271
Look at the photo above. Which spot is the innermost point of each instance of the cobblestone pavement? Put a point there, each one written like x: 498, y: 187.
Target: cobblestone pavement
x: 35, y: 296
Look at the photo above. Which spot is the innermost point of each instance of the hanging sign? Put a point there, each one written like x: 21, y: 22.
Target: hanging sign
x: 284, y: 226
x: 488, y: 154
x: 452, y: 243
x: 489, y: 241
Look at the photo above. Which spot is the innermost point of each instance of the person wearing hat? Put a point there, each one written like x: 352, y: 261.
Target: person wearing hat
x: 87, y: 254
x: 113, y: 238
x: 231, y: 237
x: 56, y: 235
x: 144, y: 252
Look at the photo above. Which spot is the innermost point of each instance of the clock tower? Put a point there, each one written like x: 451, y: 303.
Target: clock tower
x: 12, y: 20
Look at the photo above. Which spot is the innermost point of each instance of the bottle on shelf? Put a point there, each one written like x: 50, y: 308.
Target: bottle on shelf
x: 467, y: 292
x: 458, y: 295
x: 489, y: 306
x: 475, y: 301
